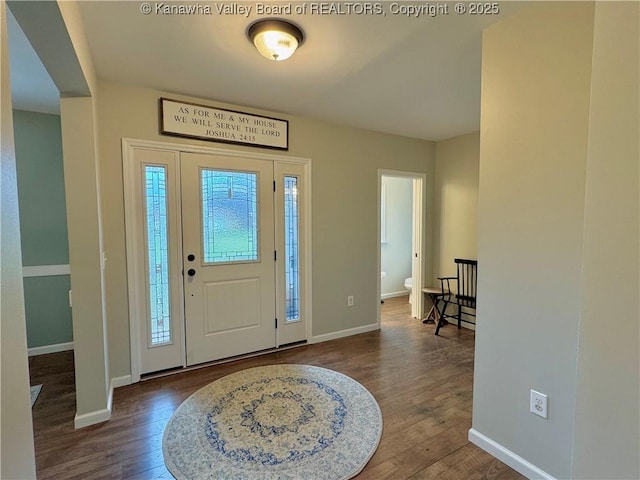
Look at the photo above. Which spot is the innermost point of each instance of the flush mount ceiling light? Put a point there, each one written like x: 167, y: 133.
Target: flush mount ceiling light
x: 275, y: 39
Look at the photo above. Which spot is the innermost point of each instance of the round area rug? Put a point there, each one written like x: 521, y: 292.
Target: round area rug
x: 294, y: 422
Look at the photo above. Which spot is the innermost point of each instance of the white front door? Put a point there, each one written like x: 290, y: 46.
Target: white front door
x: 228, y: 256
x: 213, y: 213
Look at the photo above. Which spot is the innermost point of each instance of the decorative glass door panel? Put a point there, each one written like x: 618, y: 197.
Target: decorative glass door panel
x: 229, y: 216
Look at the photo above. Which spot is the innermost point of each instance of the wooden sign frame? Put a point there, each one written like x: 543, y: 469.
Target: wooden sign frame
x: 191, y: 120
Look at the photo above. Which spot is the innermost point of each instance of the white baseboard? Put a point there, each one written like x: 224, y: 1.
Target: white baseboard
x: 404, y: 293
x: 99, y: 416
x: 344, y: 333
x: 58, y: 347
x: 121, y: 381
x: 87, y: 419
x: 505, y: 455
x: 468, y: 326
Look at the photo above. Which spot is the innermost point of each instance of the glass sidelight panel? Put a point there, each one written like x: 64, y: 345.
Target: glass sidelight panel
x: 229, y: 216
x: 291, y: 246
x: 157, y: 254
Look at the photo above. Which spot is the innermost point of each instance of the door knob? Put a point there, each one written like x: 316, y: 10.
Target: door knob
x: 191, y: 272
x: 191, y: 257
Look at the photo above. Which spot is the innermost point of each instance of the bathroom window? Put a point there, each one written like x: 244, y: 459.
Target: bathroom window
x: 229, y: 216
x: 159, y: 321
x: 292, y: 249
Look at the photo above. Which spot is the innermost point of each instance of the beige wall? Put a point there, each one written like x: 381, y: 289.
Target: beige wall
x: 77, y: 82
x: 558, y: 239
x: 608, y: 390
x: 83, y: 63
x: 345, y: 162
x: 17, y: 458
x: 536, y: 72
x: 455, y: 203
x: 85, y: 255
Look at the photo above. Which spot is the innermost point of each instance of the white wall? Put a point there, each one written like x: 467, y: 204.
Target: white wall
x: 395, y: 253
x: 536, y: 81
x: 607, y: 420
x: 455, y: 204
x: 17, y: 458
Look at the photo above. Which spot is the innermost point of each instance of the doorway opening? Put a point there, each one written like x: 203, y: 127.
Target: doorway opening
x: 401, y: 200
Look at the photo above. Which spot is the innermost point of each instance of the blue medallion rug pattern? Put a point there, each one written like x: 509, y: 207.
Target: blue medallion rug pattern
x: 284, y: 422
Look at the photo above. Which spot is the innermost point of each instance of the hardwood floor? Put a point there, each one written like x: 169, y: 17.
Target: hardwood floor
x: 423, y: 384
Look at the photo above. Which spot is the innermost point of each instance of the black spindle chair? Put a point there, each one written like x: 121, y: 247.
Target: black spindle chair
x: 465, y: 293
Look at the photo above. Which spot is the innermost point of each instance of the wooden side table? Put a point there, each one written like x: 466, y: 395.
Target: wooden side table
x: 434, y: 294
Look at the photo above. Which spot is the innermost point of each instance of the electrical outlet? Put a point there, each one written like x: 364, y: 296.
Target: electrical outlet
x: 350, y: 301
x: 538, y: 404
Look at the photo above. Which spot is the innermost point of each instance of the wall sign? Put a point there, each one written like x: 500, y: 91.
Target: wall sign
x: 190, y: 120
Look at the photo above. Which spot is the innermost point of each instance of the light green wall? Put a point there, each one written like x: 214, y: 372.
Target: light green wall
x: 43, y: 218
x: 345, y: 163
x: 46, y: 301
x: 43, y: 225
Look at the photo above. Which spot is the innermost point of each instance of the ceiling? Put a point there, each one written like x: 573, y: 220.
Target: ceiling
x: 411, y: 76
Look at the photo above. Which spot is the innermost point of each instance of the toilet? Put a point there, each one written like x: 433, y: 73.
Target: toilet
x: 408, y: 284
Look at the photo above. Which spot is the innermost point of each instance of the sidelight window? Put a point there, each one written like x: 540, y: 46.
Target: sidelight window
x: 292, y: 249
x: 157, y: 254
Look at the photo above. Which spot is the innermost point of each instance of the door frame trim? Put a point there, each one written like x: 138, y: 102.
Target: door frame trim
x: 418, y: 235
x: 136, y: 301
